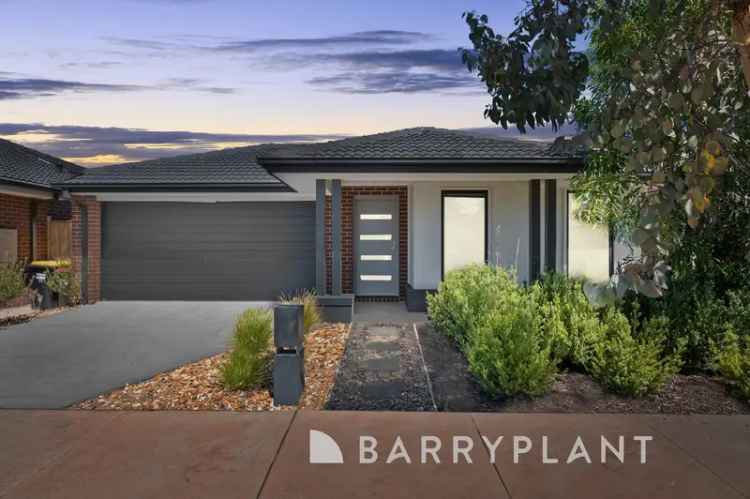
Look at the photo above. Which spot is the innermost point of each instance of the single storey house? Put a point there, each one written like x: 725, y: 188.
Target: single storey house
x: 377, y: 217
x: 33, y: 217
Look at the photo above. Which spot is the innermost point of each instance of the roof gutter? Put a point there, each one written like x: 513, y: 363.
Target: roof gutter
x: 31, y: 185
x: 167, y: 187
x: 566, y: 165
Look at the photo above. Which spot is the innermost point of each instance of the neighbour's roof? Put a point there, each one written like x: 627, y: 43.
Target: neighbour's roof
x: 425, y: 144
x: 24, y: 166
x: 248, y: 167
x: 234, y: 167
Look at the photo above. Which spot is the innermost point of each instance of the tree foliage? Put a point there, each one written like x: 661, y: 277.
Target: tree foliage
x: 662, y: 93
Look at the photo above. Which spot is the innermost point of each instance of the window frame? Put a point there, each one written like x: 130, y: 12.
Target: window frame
x: 478, y: 193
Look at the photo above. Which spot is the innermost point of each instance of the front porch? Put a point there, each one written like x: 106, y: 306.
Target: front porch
x: 399, y: 249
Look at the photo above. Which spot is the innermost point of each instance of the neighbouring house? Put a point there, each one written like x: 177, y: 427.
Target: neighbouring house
x: 378, y: 217
x: 35, y: 223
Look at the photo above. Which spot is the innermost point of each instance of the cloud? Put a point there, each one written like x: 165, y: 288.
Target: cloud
x: 206, y: 43
x: 361, y: 38
x: 17, y: 88
x: 92, y: 146
x: 24, y: 88
x: 139, y: 43
x: 91, y: 65
x: 434, y: 59
x: 393, y: 82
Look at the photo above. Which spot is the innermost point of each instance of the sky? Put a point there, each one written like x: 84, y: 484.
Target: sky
x: 101, y: 82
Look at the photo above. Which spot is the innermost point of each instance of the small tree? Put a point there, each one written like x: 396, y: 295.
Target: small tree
x: 662, y: 95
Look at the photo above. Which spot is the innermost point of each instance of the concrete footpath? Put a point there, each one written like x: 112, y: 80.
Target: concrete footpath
x: 75, y: 454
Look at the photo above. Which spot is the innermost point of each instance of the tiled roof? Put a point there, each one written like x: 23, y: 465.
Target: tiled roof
x: 424, y: 144
x: 228, y: 166
x: 242, y: 166
x: 22, y: 165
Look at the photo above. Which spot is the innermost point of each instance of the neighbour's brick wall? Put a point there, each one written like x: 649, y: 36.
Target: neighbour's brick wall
x: 15, y: 213
x: 94, y: 243
x: 348, y: 194
x: 18, y: 213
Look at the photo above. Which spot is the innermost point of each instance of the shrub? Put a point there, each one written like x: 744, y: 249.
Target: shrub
x: 12, y: 283
x: 312, y: 314
x: 732, y: 360
x: 249, y: 361
x: 632, y: 364
x: 467, y: 295
x: 510, y: 351
x: 65, y: 283
x: 571, y: 319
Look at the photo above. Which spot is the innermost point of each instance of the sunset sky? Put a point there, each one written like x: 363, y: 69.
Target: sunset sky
x: 102, y: 82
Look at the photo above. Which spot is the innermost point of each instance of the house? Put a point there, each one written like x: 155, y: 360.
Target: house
x: 31, y: 208
x: 379, y: 217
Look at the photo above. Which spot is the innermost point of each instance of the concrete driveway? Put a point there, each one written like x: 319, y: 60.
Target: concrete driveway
x: 60, y: 360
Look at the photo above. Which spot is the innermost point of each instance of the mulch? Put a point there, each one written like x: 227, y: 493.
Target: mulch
x: 572, y: 392
x: 21, y: 315
x: 197, y: 386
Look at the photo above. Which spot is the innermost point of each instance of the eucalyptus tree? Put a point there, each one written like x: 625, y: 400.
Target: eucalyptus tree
x: 661, y: 91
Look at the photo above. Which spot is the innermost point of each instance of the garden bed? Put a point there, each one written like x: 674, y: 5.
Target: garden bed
x: 572, y: 392
x: 197, y: 386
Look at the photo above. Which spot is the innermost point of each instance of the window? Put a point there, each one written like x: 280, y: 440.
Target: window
x: 464, y: 228
x: 588, y: 246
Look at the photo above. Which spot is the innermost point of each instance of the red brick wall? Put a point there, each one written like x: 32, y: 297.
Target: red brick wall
x: 347, y: 241
x: 16, y: 213
x: 94, y: 243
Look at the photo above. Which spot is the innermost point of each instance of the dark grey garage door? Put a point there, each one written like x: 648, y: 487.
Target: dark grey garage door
x: 207, y: 251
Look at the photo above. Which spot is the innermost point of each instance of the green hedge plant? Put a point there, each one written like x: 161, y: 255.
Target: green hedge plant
x: 248, y: 365
x: 629, y: 364
x: 12, y: 283
x: 467, y: 295
x: 510, y: 352
x: 572, y: 319
x: 732, y: 360
x: 65, y: 283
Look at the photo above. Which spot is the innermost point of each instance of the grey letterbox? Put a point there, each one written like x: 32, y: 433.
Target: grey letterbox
x: 288, y: 377
x: 288, y: 326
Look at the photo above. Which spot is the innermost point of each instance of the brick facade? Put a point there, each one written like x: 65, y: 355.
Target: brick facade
x: 21, y: 213
x: 347, y: 240
x: 94, y: 244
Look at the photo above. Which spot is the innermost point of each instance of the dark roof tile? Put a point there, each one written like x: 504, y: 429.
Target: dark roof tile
x: 22, y: 165
x: 424, y: 143
x: 227, y: 166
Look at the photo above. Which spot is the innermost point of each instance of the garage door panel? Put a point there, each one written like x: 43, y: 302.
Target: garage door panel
x: 192, y: 251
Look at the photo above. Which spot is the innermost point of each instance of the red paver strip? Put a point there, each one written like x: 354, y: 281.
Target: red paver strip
x: 164, y: 454
x: 721, y: 443
x: 668, y: 473
x: 293, y: 476
x: 34, y: 441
